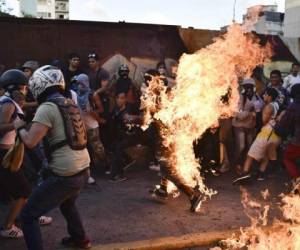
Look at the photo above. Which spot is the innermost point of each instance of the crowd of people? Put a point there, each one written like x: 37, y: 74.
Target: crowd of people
x: 68, y: 124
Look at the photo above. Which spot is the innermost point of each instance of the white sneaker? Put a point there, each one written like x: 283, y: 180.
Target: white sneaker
x: 45, y: 220
x: 13, y: 232
x: 91, y: 180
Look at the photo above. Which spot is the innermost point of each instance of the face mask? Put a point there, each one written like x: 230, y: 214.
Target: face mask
x: 249, y: 91
x: 162, y: 71
x: 124, y: 74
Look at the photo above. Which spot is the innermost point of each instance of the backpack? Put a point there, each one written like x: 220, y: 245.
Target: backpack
x: 76, y: 134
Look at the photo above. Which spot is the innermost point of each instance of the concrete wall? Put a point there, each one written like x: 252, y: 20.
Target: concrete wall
x: 293, y: 43
x: 292, y: 18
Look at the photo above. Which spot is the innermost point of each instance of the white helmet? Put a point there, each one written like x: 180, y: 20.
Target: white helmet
x: 248, y: 81
x: 44, y: 78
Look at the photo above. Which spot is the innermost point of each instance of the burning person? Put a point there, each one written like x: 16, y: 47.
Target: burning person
x: 185, y: 112
x: 169, y: 176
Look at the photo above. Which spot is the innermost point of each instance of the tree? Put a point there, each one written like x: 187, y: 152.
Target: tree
x: 25, y: 15
x: 4, y: 9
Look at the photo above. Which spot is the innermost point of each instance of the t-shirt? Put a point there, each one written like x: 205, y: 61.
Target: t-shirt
x: 96, y: 77
x: 65, y: 161
x: 244, y: 117
x: 118, y: 125
x: 68, y: 75
x: 121, y: 129
x: 123, y: 85
x: 290, y: 80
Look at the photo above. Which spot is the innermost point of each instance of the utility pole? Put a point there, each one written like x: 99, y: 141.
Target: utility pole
x: 233, y: 16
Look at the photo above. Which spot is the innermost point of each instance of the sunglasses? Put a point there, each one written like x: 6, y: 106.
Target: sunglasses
x: 93, y: 55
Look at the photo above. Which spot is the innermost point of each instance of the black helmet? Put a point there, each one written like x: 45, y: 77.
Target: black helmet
x: 123, y: 67
x: 11, y: 79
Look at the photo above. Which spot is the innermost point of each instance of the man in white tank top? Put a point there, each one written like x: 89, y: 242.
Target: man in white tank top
x: 13, y: 184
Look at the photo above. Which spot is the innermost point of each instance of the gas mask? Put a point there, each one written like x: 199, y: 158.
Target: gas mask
x: 123, y: 74
x: 162, y: 71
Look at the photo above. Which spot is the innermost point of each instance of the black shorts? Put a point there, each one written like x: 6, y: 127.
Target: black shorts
x: 15, y: 184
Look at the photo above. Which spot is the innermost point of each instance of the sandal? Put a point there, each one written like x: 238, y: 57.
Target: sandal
x: 13, y: 232
x: 44, y: 220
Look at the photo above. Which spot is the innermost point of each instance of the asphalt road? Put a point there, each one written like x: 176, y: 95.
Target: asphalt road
x: 122, y: 212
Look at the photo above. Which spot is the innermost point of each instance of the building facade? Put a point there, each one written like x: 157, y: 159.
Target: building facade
x: 62, y: 9
x: 264, y: 19
x: 292, y: 18
x: 46, y: 9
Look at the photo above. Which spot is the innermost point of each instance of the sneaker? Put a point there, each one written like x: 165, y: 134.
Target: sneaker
x: 159, y: 192
x: 130, y: 164
x: 261, y: 176
x: 215, y: 172
x: 296, y: 186
x: 196, y: 203
x: 70, y: 242
x: 13, y: 232
x: 224, y: 168
x: 45, y: 220
x: 243, y: 179
x: 117, y: 178
x: 175, y: 193
x: 91, y: 180
x: 154, y: 167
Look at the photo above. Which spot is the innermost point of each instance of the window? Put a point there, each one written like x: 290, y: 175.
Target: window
x: 273, y: 16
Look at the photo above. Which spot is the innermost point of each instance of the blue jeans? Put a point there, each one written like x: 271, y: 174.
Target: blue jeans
x: 54, y: 191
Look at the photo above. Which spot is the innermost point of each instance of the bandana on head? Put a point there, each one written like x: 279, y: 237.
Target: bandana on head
x: 84, y: 91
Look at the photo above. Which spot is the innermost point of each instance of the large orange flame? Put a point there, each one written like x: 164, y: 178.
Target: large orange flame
x: 281, y: 234
x: 194, y: 104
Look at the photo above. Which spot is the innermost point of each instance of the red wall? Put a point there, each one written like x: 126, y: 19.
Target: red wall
x: 44, y: 40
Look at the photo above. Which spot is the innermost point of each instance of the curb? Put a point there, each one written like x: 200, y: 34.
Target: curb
x: 167, y: 243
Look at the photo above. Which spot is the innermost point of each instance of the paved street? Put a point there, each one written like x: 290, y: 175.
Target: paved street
x: 122, y: 212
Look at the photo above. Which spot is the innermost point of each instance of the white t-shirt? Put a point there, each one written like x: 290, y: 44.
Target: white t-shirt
x: 289, y: 81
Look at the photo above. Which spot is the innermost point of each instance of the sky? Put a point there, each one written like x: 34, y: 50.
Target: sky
x: 207, y: 14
